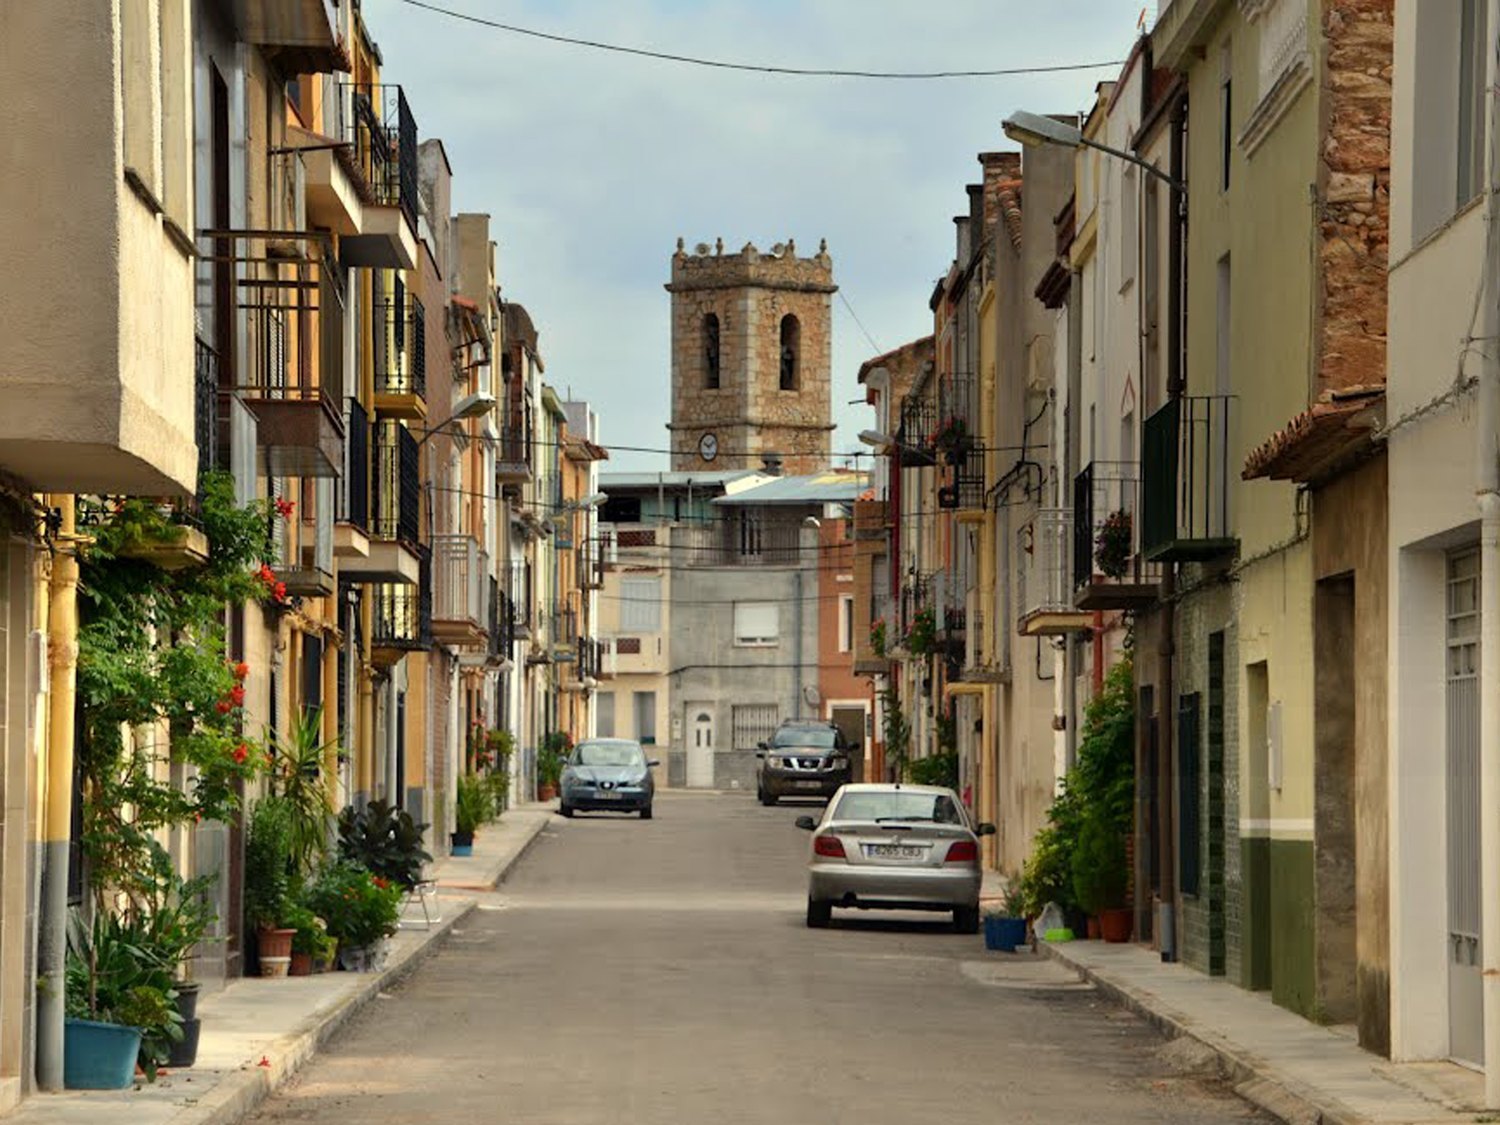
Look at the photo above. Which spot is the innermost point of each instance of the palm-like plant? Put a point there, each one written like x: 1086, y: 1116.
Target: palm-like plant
x: 297, y: 777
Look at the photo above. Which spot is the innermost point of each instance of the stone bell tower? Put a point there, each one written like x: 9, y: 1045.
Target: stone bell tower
x: 752, y: 339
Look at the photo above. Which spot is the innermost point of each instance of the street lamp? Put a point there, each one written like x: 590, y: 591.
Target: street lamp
x: 470, y: 406
x: 1035, y: 129
x: 876, y: 439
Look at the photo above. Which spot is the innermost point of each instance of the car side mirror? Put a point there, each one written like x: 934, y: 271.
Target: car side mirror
x: 760, y: 753
x: 807, y: 824
x: 761, y: 746
x: 985, y: 830
x: 653, y: 763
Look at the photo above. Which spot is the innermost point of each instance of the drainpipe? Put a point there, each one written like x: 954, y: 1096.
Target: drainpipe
x: 57, y: 828
x: 1488, y: 489
x: 1166, y: 933
x: 797, y: 642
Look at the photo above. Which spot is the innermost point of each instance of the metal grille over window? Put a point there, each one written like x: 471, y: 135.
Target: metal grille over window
x: 752, y: 724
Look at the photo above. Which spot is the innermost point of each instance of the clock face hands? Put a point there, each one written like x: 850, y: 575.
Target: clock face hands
x: 708, y: 447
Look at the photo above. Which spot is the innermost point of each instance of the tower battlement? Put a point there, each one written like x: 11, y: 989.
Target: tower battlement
x: 708, y: 267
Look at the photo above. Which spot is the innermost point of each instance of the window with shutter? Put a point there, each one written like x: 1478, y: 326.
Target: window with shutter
x: 640, y: 605
x: 756, y: 623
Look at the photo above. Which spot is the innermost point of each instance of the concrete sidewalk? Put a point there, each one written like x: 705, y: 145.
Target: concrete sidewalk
x: 1296, y: 1070
x: 258, y: 1033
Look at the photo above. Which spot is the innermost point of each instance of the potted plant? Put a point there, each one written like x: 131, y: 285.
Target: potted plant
x: 313, y: 949
x: 922, y: 638
x: 470, y: 811
x: 174, y: 925
x: 1005, y: 925
x: 877, y: 637
x: 120, y: 1004
x: 361, y: 911
x: 549, y: 764
x: 385, y: 841
x: 1112, y: 545
x: 953, y: 438
x: 268, y: 884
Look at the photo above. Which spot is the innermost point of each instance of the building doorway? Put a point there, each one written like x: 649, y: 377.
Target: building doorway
x: 851, y: 721
x: 1465, y: 1004
x: 700, y: 749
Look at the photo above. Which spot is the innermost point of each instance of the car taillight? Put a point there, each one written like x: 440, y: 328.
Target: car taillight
x: 962, y: 851
x: 830, y: 846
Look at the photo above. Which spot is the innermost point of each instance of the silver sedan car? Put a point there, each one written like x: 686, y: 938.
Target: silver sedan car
x: 894, y: 847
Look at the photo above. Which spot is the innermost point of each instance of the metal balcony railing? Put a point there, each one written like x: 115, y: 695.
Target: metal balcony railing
x: 519, y: 583
x: 1107, y: 561
x: 919, y: 421
x: 377, y: 124
x: 354, y: 489
x: 400, y: 344
x: 562, y: 627
x: 513, y: 448
x: 1044, y: 551
x: 206, y: 406
x: 460, y: 570
x: 1185, y: 475
x: 397, y: 494
x: 401, y: 615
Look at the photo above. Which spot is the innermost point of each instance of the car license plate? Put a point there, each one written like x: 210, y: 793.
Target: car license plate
x: 894, y: 851
x: 607, y: 795
x: 808, y: 784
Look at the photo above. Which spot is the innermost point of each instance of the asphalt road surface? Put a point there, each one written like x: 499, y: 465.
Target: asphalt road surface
x: 660, y: 972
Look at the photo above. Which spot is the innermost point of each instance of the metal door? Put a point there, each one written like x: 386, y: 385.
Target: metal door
x: 1465, y: 1005
x: 700, y: 757
x: 851, y: 722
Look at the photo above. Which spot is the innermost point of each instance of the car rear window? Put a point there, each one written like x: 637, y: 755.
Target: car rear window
x: 815, y: 738
x: 898, y: 805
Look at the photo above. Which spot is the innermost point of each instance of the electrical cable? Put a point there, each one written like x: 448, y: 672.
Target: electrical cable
x: 759, y: 68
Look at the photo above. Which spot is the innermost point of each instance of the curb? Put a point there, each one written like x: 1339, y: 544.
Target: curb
x: 240, y: 1093
x: 1285, y: 1099
x: 508, y: 864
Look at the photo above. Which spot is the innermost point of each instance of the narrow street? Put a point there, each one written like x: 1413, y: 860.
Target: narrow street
x: 660, y: 972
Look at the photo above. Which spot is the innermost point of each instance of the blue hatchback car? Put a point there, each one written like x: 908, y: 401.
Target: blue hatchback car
x: 612, y: 774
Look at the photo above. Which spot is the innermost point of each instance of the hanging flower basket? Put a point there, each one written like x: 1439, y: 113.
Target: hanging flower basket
x: 877, y: 637
x: 953, y: 438
x: 922, y: 638
x: 1112, y: 545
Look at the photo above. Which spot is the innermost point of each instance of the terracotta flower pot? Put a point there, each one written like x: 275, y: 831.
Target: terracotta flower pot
x: 546, y: 793
x: 1093, y: 927
x: 301, y: 965
x: 1115, y: 925
x: 275, y: 951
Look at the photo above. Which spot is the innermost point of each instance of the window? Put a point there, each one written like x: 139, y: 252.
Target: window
x: 756, y: 624
x: 621, y: 509
x: 645, y: 717
x: 611, y: 753
x: 604, y: 714
x: 1471, y: 79
x: 640, y: 605
x: 752, y: 723
x: 846, y: 622
x: 711, y: 351
x: 1226, y: 115
x: 791, y: 346
x: 1130, y: 211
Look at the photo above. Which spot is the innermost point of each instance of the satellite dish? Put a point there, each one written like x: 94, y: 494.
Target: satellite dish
x: 779, y: 249
x: 701, y: 248
x: 811, y: 695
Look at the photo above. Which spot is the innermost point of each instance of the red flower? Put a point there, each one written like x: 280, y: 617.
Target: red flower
x: 278, y: 591
x: 381, y: 883
x: 241, y: 670
x: 237, y: 695
x: 241, y: 752
x: 224, y: 706
x: 266, y: 574
x: 284, y: 508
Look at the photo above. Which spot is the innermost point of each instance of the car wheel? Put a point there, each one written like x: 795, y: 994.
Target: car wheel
x: 566, y: 810
x: 767, y: 799
x: 966, y: 919
x: 646, y: 812
x: 819, y: 913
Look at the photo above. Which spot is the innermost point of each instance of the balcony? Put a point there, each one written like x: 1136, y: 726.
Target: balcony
x: 332, y: 199
x: 1185, y: 476
x: 607, y: 662
x: 376, y: 126
x: 399, y: 349
x: 562, y: 631
x: 1109, y: 571
x: 291, y: 377
x: 871, y: 524
x: 305, y: 563
x: 395, y: 518
x: 867, y: 660
x: 351, y: 532
x: 460, y: 613
x: 513, y: 450
x: 518, y: 582
x: 206, y: 406
x: 737, y: 541
x: 303, y: 35
x: 401, y: 616
x: 591, y: 565
x: 1044, y: 587
x: 919, y: 423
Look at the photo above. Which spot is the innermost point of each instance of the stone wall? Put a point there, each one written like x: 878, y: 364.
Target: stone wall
x: 1354, y: 192
x: 748, y: 412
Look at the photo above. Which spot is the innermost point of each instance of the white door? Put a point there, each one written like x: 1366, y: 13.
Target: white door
x: 700, y: 750
x: 1465, y: 1005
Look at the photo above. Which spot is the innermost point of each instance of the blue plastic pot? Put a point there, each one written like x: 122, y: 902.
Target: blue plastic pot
x: 1004, y: 934
x: 99, y: 1056
x: 461, y: 843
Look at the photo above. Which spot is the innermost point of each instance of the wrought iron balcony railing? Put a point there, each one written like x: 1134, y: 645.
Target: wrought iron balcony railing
x: 1044, y: 581
x: 206, y: 406
x: 919, y: 421
x: 1185, y: 475
x: 377, y: 124
x: 519, y: 583
x: 460, y: 571
x: 1109, y: 570
x: 401, y: 618
x: 397, y: 494
x: 400, y: 344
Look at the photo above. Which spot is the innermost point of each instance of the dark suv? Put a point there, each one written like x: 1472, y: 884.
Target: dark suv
x: 804, y: 758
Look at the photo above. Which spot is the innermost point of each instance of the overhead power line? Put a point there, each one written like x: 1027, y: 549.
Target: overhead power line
x: 758, y: 68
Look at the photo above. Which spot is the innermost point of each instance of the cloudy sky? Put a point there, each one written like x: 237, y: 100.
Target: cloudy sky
x: 592, y: 164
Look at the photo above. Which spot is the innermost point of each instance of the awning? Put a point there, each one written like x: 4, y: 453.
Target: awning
x: 1322, y: 439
